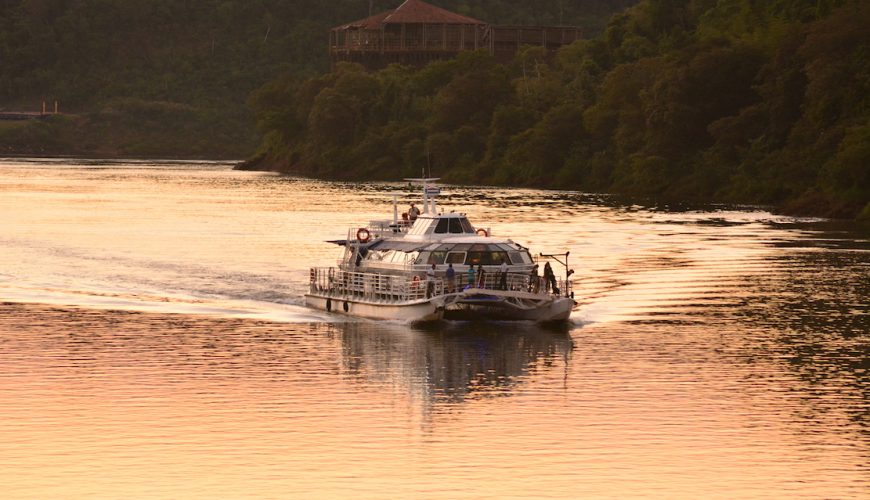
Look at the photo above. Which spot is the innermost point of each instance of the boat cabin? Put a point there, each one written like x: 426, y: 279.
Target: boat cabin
x: 435, y: 226
x: 460, y: 251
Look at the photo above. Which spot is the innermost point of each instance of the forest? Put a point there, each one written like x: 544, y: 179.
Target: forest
x: 171, y: 78
x: 733, y: 101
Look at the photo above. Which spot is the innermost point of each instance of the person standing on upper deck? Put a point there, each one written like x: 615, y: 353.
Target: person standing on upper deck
x: 413, y: 213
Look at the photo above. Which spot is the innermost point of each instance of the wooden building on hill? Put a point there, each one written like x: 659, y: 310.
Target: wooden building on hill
x: 416, y: 33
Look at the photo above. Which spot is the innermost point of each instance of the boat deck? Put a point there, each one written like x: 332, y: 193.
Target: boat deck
x: 391, y: 288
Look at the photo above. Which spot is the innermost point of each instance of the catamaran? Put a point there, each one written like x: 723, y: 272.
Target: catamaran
x: 439, y: 266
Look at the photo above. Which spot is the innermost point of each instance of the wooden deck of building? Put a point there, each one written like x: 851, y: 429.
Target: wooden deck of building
x: 29, y: 115
x: 416, y: 33
x: 21, y: 115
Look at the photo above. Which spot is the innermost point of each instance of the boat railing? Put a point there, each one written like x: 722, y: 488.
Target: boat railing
x: 373, y: 286
x: 395, y: 288
x: 492, y: 280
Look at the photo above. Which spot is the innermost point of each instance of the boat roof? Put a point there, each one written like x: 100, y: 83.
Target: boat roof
x: 411, y: 246
x: 429, y: 227
x: 416, y: 245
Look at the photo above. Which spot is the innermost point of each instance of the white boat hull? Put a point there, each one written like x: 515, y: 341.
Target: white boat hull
x: 508, y: 305
x: 350, y: 305
x: 475, y: 304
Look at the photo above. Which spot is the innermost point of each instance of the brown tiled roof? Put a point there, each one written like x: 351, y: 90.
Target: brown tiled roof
x: 370, y: 23
x: 415, y: 11
x: 410, y: 12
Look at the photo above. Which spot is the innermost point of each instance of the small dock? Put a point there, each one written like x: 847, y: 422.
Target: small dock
x: 22, y: 115
x: 28, y: 115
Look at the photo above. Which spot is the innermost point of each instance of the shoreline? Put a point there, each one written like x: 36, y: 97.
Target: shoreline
x: 120, y: 158
x: 811, y: 204
x: 807, y: 206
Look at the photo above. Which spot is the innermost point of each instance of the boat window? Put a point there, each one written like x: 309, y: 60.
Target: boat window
x: 499, y: 257
x: 376, y: 256
x: 455, y: 226
x: 420, y: 226
x: 436, y: 257
x: 486, y: 258
x: 520, y: 258
x: 473, y: 258
x: 441, y: 228
x: 456, y: 257
x: 409, y: 257
x: 461, y: 247
x: 466, y: 226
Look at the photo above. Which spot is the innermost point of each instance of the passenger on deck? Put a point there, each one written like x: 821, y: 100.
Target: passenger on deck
x: 534, y: 280
x: 502, y: 276
x: 413, y: 213
x: 451, y: 278
x: 470, y: 276
x: 550, y: 279
x: 430, y: 281
x: 481, y: 277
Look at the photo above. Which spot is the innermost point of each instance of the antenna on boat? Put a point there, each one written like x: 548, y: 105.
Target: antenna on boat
x: 568, y: 272
x: 429, y: 193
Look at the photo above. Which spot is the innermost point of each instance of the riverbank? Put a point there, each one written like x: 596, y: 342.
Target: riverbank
x: 771, y: 112
x: 133, y: 129
x: 814, y: 203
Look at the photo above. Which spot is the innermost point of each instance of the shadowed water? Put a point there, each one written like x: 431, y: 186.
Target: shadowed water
x: 154, y: 344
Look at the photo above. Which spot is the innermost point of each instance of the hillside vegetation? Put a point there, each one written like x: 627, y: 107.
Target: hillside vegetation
x: 691, y: 100
x: 171, y: 78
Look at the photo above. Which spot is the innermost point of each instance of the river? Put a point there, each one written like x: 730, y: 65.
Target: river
x: 154, y: 343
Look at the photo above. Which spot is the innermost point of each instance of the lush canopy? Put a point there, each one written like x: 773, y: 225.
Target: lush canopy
x: 731, y: 100
x: 170, y: 77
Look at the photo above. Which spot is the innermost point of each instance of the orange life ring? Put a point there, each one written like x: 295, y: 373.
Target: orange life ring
x: 363, y: 235
x: 482, y: 232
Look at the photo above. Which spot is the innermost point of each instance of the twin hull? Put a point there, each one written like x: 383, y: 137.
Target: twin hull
x: 483, y: 304
x: 409, y: 311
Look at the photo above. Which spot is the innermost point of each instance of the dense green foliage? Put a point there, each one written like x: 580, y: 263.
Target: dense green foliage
x: 170, y: 77
x: 731, y: 100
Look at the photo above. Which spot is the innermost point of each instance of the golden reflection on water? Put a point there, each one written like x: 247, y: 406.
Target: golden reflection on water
x: 716, y: 354
x: 130, y: 404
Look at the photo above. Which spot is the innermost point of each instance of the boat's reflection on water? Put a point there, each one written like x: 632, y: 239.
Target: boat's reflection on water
x: 448, y: 361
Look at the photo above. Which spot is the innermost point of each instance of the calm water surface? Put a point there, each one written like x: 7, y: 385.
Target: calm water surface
x: 153, y: 343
